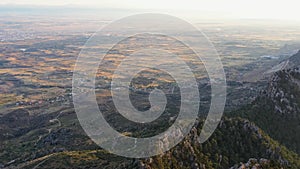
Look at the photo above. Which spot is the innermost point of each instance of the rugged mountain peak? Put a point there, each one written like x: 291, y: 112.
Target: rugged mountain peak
x: 284, y: 87
x: 277, y: 109
x: 294, y: 60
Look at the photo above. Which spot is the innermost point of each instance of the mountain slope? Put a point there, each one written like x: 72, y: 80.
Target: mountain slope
x: 235, y: 142
x: 277, y: 109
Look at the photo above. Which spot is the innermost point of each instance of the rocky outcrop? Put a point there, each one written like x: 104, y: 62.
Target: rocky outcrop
x: 284, y: 91
x: 253, y: 163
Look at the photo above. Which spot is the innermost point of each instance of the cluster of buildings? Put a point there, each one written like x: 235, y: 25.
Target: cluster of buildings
x: 58, y: 99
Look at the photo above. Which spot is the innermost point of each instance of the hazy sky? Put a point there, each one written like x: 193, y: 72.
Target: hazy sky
x: 259, y: 9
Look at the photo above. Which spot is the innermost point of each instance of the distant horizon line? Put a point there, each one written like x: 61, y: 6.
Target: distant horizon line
x: 11, y: 6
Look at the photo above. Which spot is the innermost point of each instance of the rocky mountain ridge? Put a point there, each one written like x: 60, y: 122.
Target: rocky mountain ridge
x: 284, y: 88
x: 277, y: 109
